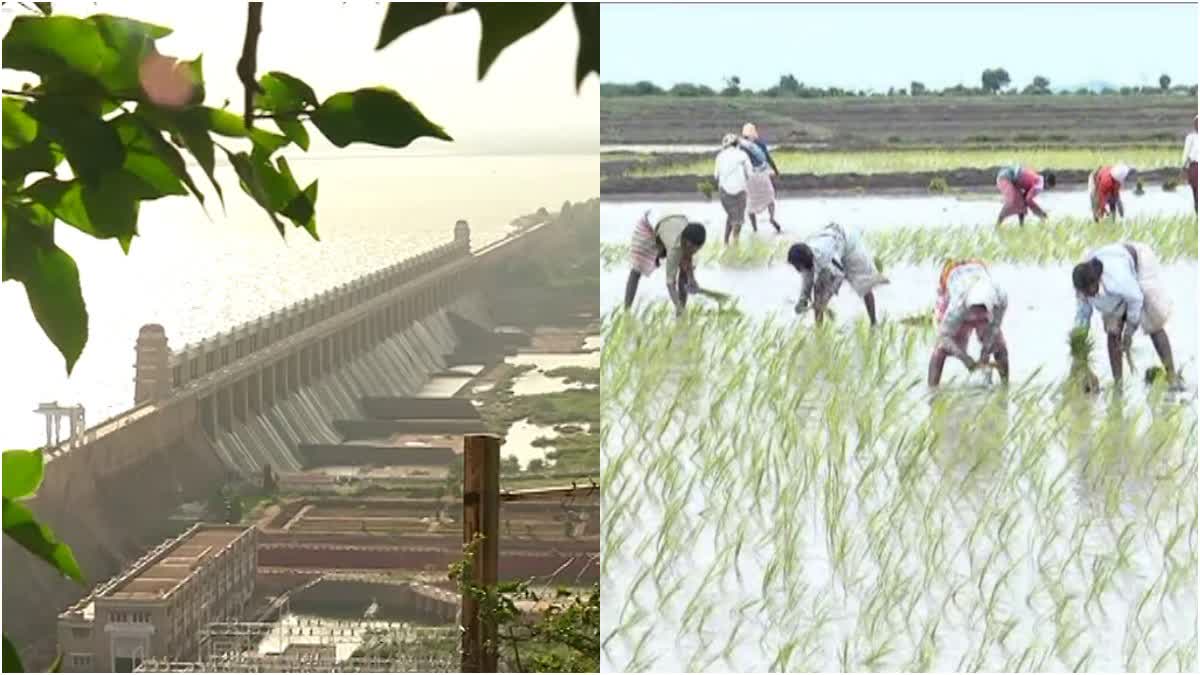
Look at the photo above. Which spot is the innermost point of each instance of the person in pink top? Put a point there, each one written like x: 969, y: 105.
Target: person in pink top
x: 1019, y: 186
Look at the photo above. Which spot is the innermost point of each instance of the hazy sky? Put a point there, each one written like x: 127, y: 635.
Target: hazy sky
x: 877, y: 46
x: 526, y: 104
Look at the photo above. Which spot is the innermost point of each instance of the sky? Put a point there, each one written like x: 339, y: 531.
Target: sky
x: 527, y: 103
x: 880, y: 46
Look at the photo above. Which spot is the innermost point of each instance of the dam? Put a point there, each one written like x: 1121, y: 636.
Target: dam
x: 276, y: 395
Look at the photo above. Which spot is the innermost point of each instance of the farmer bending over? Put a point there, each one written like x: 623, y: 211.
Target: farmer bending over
x: 1019, y: 186
x: 968, y: 302
x: 828, y: 257
x: 1104, y: 188
x: 1123, y: 282
x: 674, y: 238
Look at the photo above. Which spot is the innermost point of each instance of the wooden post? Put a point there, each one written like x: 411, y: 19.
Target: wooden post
x: 481, y: 516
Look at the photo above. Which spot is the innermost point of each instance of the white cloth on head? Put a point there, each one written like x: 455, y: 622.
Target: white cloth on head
x: 982, y: 292
x: 749, y: 131
x: 1120, y: 172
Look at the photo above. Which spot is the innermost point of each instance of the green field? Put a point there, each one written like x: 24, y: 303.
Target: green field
x: 910, y: 161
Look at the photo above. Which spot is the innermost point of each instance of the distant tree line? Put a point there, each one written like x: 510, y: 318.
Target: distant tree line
x: 992, y: 82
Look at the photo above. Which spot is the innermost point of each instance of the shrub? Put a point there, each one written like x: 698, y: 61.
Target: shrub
x: 707, y: 187
x: 1170, y: 184
x: 938, y: 185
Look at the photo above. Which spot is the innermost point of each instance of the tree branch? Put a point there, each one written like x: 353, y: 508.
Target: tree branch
x: 249, y: 61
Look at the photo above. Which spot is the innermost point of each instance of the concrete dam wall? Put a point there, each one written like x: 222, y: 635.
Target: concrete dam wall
x: 248, y: 397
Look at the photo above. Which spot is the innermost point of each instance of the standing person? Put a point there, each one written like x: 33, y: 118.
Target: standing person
x: 968, y: 301
x: 672, y: 237
x: 1191, y: 158
x: 1019, y: 186
x: 828, y: 257
x: 1104, y: 189
x: 732, y: 173
x: 1123, y: 282
x: 760, y: 191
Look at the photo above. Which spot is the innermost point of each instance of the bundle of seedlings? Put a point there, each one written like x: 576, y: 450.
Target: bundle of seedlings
x: 1081, y: 377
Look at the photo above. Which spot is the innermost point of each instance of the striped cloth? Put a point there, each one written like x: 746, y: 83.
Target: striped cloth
x: 643, y: 250
x: 760, y: 193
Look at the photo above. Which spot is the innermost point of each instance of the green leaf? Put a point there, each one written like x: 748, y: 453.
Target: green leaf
x: 294, y: 130
x: 50, y: 277
x: 56, y: 666
x: 250, y: 175
x: 12, y: 658
x: 191, y: 127
x: 106, y: 210
x: 91, y: 145
x: 133, y: 42
x: 22, y: 472
x: 378, y: 116
x: 504, y: 23
x: 56, y: 44
x: 284, y: 93
x: 36, y: 538
x: 301, y: 208
x: 225, y: 123
x: 19, y: 128
x: 402, y: 17
x: 38, y: 156
x: 150, y: 158
x: 587, y: 22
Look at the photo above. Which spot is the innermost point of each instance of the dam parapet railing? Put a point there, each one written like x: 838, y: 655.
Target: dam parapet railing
x: 373, y: 306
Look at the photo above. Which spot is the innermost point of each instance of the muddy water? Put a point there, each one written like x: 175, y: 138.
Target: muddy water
x: 518, y: 442
x: 802, y: 215
x: 1041, y: 309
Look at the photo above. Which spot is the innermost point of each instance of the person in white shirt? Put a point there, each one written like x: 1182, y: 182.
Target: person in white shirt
x: 732, y: 172
x: 672, y: 237
x: 968, y: 301
x: 1124, y: 283
x: 826, y: 259
x: 1191, y: 159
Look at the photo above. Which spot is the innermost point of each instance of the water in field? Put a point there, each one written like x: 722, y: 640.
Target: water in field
x: 518, y: 442
x: 782, y: 498
x: 1041, y: 309
x: 199, y: 275
x: 800, y: 215
x: 777, y: 499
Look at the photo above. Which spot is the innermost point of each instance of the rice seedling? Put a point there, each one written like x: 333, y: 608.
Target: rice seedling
x: 1172, y: 238
x: 928, y: 159
x: 807, y: 507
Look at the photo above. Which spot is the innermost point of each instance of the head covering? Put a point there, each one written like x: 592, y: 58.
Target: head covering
x: 728, y: 140
x: 981, y: 293
x: 1121, y: 171
x: 749, y: 131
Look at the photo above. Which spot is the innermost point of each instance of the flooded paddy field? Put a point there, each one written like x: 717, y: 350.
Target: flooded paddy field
x: 783, y: 497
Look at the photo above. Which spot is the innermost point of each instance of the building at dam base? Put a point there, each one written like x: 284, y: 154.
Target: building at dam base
x: 154, y: 610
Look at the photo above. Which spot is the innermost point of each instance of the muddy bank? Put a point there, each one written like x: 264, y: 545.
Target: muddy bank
x: 913, y: 181
x: 852, y: 123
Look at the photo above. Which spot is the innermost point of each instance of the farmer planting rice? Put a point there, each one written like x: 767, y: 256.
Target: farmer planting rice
x: 828, y: 257
x: 676, y: 239
x: 1123, y: 281
x: 732, y: 173
x: 760, y: 191
x: 1104, y: 189
x: 968, y: 302
x: 1020, y: 186
x: 1191, y: 160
